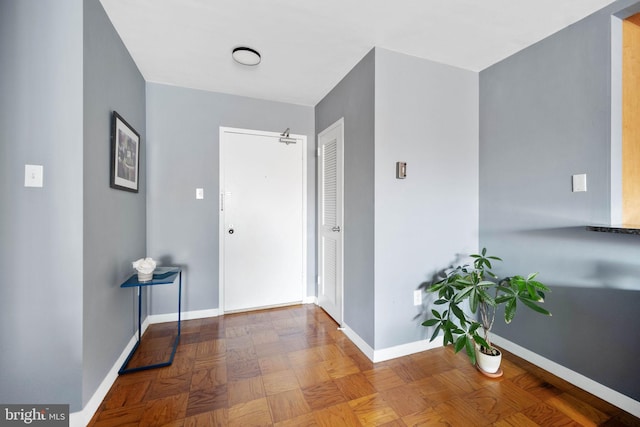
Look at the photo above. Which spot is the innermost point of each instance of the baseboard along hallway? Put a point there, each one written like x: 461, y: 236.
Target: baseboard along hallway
x: 291, y: 366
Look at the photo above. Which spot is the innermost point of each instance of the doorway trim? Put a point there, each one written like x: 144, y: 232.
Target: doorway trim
x: 221, y: 168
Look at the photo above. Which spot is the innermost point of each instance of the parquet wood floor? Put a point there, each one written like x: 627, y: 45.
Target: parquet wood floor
x: 292, y: 367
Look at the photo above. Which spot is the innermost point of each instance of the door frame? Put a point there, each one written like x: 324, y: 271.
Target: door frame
x: 221, y: 167
x: 338, y: 123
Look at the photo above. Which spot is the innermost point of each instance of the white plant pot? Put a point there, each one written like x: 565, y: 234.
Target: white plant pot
x: 487, y: 363
x: 144, y: 277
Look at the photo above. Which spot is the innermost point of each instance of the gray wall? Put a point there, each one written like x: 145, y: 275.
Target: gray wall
x: 114, y: 220
x: 400, y: 108
x: 183, y: 128
x: 426, y: 114
x: 353, y: 99
x: 41, y: 228
x: 545, y: 115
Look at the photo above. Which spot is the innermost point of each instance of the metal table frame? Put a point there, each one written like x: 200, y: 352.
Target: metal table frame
x: 161, y: 276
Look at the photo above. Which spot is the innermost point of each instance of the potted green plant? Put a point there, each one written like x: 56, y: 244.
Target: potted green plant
x: 477, y: 286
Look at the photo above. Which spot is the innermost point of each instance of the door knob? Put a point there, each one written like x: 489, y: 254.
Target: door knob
x: 231, y: 231
x: 336, y: 228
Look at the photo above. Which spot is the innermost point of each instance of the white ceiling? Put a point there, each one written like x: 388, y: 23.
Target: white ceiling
x: 308, y: 46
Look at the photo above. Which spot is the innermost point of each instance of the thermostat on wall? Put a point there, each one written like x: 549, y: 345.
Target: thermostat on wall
x: 401, y: 170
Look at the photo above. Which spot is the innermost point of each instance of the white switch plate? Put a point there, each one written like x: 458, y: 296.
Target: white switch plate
x: 579, y: 182
x: 199, y: 193
x: 417, y: 297
x: 33, y: 175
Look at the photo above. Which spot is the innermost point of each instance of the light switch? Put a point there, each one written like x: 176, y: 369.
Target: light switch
x: 579, y: 182
x: 33, y: 175
x: 417, y: 297
x: 199, y: 193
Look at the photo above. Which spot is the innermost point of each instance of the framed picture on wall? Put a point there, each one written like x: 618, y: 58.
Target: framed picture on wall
x: 125, y: 155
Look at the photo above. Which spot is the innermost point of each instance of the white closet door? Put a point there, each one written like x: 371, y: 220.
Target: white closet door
x: 330, y: 214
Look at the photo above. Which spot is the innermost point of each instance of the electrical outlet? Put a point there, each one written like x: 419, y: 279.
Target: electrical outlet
x: 417, y: 297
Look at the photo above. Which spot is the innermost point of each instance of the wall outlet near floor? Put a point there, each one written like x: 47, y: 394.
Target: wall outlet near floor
x: 417, y: 297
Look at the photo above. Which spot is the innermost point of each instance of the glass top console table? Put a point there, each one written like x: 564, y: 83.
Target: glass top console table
x: 161, y: 276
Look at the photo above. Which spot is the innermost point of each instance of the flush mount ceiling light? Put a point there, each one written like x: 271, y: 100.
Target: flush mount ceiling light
x: 246, y: 56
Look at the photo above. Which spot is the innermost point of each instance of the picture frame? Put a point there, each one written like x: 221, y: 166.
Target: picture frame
x: 125, y: 155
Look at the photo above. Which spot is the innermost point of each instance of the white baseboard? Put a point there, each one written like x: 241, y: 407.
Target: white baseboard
x: 359, y: 342
x: 390, y: 352
x: 186, y: 315
x: 82, y: 418
x: 310, y: 300
x: 605, y: 393
x: 406, y: 349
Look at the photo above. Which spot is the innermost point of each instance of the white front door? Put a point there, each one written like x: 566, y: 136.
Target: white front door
x: 262, y: 218
x: 330, y: 219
